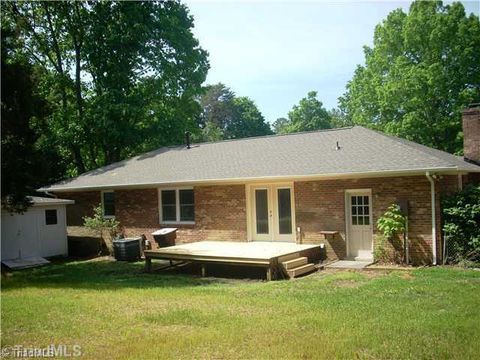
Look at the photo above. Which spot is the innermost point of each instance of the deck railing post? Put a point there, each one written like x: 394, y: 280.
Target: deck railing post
x: 148, y: 264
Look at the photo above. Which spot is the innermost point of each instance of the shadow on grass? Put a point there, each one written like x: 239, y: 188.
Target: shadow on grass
x: 101, y: 274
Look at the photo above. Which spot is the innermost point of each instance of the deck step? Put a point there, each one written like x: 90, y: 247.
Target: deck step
x: 288, y: 257
x: 301, y: 270
x: 294, y: 263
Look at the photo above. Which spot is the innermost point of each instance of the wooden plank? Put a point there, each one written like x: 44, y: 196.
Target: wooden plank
x: 325, y: 232
x: 186, y: 257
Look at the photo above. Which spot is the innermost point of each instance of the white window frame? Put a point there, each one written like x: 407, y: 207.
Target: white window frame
x: 177, y: 205
x: 103, y: 207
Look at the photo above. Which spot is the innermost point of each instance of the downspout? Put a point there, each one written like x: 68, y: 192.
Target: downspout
x: 434, y: 218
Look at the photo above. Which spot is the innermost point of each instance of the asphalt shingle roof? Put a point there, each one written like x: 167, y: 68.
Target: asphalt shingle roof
x: 362, y: 151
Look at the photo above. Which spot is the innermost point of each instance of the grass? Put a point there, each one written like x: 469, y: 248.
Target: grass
x: 114, y: 310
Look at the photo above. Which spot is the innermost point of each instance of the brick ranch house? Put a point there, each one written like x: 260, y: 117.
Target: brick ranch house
x: 326, y: 186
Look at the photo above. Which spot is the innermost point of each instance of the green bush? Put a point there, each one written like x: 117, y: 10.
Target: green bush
x: 461, y: 224
x: 392, y: 223
x: 107, y: 228
x: 389, y: 246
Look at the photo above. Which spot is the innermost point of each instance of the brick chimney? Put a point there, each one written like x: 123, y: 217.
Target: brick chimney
x: 471, y: 133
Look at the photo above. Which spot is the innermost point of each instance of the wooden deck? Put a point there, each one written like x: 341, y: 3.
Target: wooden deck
x: 255, y: 253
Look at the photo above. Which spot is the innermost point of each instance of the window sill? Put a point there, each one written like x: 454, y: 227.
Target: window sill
x: 177, y: 223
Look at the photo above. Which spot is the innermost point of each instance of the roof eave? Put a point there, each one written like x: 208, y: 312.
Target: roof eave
x: 384, y: 173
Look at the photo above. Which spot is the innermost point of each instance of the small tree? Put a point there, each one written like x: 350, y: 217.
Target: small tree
x: 391, y: 224
x: 99, y: 223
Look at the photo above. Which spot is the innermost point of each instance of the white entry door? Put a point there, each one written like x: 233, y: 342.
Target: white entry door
x: 359, y: 222
x: 272, y: 212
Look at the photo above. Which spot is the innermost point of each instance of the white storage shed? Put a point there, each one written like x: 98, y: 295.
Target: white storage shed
x: 39, y: 232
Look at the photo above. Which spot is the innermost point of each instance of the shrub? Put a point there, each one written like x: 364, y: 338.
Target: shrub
x: 103, y: 226
x: 389, y: 247
x: 461, y: 224
x: 392, y: 223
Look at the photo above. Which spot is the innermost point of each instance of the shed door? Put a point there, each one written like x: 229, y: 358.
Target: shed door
x: 20, y: 235
x: 360, y: 230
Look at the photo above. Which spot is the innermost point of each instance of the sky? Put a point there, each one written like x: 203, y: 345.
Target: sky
x: 275, y: 52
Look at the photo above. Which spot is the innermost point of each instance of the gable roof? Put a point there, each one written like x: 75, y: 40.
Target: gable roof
x: 362, y: 152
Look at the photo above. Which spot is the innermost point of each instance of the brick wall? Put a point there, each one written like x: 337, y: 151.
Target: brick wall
x: 220, y: 212
x: 320, y: 205
x: 85, y: 202
x: 471, y: 134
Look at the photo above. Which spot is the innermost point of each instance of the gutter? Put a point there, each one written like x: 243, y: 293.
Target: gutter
x: 434, y: 217
x: 259, y: 179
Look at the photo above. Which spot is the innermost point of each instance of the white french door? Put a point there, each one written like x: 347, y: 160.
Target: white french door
x: 272, y: 212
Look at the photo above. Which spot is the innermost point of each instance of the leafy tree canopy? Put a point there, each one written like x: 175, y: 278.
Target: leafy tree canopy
x: 122, y: 77
x: 308, y: 115
x: 26, y: 162
x: 423, y: 68
x: 225, y: 116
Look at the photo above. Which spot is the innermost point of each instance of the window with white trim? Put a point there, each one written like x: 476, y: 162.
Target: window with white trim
x: 177, y: 206
x: 108, y: 203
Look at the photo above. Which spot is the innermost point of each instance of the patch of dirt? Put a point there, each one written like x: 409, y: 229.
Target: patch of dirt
x: 407, y: 276
x: 347, y: 283
x: 375, y: 274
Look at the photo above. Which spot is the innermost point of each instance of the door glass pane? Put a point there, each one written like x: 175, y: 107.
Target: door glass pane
x: 366, y: 220
x: 365, y: 200
x: 261, y: 210
x: 284, y: 212
x: 360, y: 220
x: 354, y: 220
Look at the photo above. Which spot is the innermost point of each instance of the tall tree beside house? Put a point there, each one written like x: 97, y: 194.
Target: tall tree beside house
x: 308, y: 115
x: 423, y: 68
x: 117, y: 87
x: 225, y: 116
x: 27, y: 161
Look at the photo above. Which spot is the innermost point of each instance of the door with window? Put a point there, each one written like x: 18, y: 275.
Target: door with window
x: 272, y: 213
x: 359, y: 222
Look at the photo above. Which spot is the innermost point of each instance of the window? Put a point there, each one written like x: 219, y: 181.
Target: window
x: 177, y: 206
x: 360, y: 210
x: 51, y: 217
x: 187, y: 205
x: 108, y: 203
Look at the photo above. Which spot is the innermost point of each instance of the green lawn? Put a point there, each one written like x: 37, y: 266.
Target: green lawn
x: 114, y: 310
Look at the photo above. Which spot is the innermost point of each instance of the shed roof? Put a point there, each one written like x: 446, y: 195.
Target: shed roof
x: 44, y: 201
x: 361, y: 152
